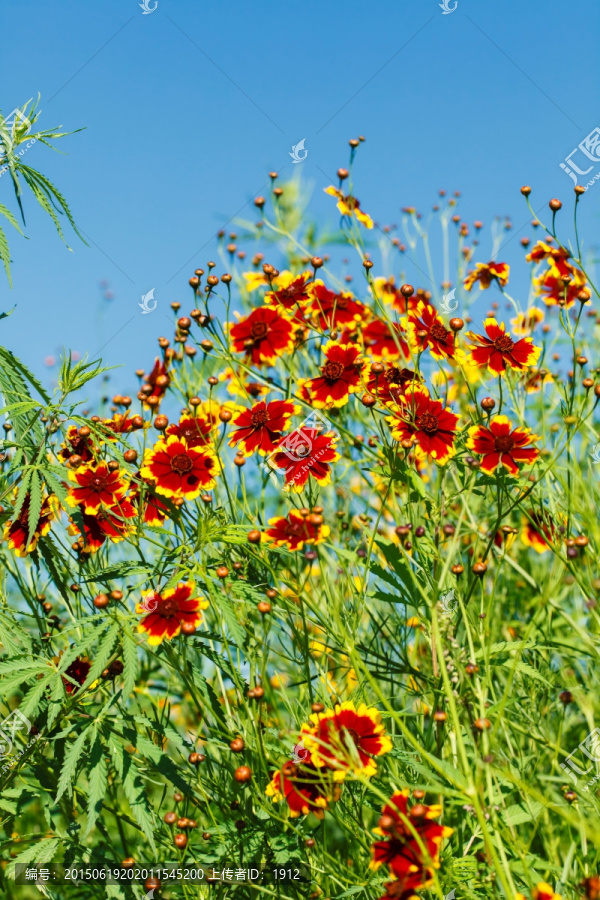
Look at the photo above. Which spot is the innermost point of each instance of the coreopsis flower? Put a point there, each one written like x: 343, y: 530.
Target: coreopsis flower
x: 263, y: 335
x: 397, y: 890
x: 349, y: 206
x: 410, y: 859
x: 165, y: 612
x: 346, y: 739
x: 158, y: 379
x: 96, y: 487
x: 485, y: 273
x: 240, y: 385
x: 75, y: 444
x: 303, y: 788
x: 77, y: 672
x: 390, y: 384
x: 426, y: 329
x: 340, y: 377
x: 255, y: 280
x: 554, y: 291
x: 331, y: 310
x: 499, y: 352
x: 524, y: 323
x: 196, y: 429
x: 424, y: 420
x: 556, y: 256
x: 119, y: 424
x: 385, y: 341
x: 114, y: 523
x: 261, y: 427
x: 386, y: 289
x: 305, y: 452
x: 537, y: 532
x: 294, y: 531
x: 292, y: 293
x: 533, y: 380
x: 543, y: 891
x: 178, y: 470
x: 16, y: 532
x: 501, y: 445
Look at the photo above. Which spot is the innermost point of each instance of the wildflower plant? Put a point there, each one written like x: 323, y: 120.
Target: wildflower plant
x: 224, y: 602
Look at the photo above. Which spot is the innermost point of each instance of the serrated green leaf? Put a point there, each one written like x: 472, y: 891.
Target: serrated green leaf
x: 97, y: 782
x: 71, y: 760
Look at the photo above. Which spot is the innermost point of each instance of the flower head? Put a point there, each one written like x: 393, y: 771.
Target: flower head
x: 384, y: 341
x: 178, y: 470
x: 500, y: 445
x: 305, y: 452
x: 96, y: 487
x: 263, y: 335
x: 537, y: 532
x: 196, y: 429
x: 390, y: 384
x: 524, y: 323
x: 292, y: 293
x: 499, y: 352
x: 77, y: 444
x: 303, y: 788
x: 331, y: 310
x: 426, y: 421
x: 164, y: 613
x: 340, y: 377
x: 113, y: 522
x: 349, y: 206
x: 485, y: 273
x: 261, y: 427
x: 16, y: 532
x: 543, y: 891
x: 411, y: 842
x: 426, y: 329
x: 346, y: 739
x: 159, y: 380
x: 294, y: 531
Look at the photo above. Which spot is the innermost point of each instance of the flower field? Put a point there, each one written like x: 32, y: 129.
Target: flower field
x: 318, y: 600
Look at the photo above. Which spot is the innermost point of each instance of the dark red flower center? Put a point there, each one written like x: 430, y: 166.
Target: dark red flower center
x: 394, y: 375
x: 98, y: 483
x: 438, y: 332
x: 190, y: 432
x: 254, y: 388
x: 302, y: 450
x: 260, y: 417
x: 353, y: 735
x: 341, y: 302
x: 504, y: 443
x: 427, y: 423
x: 259, y: 331
x: 333, y: 370
x: 167, y: 608
x: 296, y: 529
x: 504, y: 343
x: 291, y: 294
x: 181, y: 464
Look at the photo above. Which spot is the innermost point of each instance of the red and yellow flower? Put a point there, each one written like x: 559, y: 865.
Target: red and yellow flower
x: 292, y: 293
x: 386, y: 289
x: 196, y: 429
x: 349, y: 206
x: 390, y: 384
x: 306, y: 451
x: 261, y: 427
x: 426, y: 329
x: 501, y: 445
x: 165, y: 612
x: 411, y: 842
x: 485, y: 273
x: 178, y: 470
x: 16, y: 533
x: 77, y: 672
x: 543, y: 891
x: 159, y: 380
x: 263, y: 335
x: 113, y: 523
x: 499, y: 352
x: 331, y: 310
x: 537, y: 532
x: 346, y: 740
x: 524, y: 323
x: 556, y: 292
x: 303, y: 788
x: 385, y: 341
x: 96, y: 487
x: 294, y: 531
x: 240, y: 385
x: 426, y: 422
x: 76, y: 444
x: 340, y: 377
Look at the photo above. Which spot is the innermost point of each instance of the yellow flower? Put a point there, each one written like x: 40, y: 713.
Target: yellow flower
x: 349, y: 206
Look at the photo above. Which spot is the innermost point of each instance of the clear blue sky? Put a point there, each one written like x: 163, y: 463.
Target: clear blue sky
x: 189, y: 107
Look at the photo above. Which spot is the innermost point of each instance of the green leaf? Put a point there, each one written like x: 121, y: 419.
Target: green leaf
x: 39, y: 853
x: 130, y: 660
x: 103, y: 654
x: 69, y: 768
x: 134, y: 790
x: 35, y: 504
x: 98, y: 782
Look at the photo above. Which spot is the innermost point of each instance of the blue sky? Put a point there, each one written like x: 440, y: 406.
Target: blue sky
x: 186, y: 110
